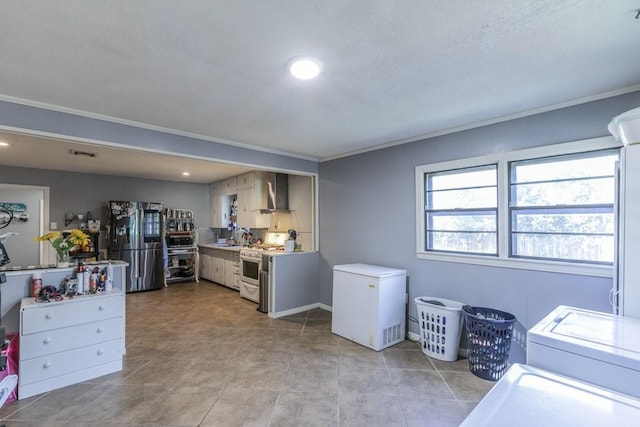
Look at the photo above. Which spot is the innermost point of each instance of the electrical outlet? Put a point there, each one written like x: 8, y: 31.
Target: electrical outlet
x: 54, y: 226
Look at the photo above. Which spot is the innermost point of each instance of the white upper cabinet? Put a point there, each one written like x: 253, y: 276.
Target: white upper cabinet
x: 249, y: 204
x: 247, y: 180
x: 227, y: 186
x: 219, y: 207
x: 252, y: 198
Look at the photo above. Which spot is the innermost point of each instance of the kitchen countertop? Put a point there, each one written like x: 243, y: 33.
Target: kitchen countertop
x: 29, y: 269
x: 236, y: 248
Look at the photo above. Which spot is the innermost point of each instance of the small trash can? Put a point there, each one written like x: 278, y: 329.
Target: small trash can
x: 440, y: 327
x: 489, y: 334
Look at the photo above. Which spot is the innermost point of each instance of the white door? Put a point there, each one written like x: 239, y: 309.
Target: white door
x: 29, y: 205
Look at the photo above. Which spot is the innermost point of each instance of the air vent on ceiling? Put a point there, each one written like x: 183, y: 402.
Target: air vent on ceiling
x: 82, y: 153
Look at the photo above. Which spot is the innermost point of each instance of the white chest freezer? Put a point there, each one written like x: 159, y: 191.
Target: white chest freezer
x: 369, y: 304
x: 599, y: 348
x: 531, y: 397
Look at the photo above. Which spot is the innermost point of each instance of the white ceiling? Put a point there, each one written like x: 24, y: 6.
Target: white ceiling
x: 394, y: 70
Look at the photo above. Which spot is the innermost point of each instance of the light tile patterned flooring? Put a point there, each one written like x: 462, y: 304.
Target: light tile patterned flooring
x: 199, y: 355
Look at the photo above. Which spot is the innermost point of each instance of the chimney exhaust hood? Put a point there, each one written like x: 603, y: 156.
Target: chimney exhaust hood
x: 277, y: 188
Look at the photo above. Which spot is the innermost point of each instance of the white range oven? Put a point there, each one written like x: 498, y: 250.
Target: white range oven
x: 250, y: 268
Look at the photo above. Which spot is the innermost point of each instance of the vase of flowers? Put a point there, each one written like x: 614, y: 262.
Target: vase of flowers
x: 63, y: 243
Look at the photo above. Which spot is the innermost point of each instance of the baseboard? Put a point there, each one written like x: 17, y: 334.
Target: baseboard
x: 296, y: 310
x: 326, y: 307
x: 413, y: 336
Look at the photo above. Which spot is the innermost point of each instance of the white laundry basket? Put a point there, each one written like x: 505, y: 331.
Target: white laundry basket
x: 440, y: 322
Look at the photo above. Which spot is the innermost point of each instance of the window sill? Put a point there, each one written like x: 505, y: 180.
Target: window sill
x: 523, y: 264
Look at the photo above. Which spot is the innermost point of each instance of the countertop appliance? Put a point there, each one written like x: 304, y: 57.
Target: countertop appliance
x: 531, y: 397
x: 599, y: 348
x: 369, y: 304
x: 135, y: 236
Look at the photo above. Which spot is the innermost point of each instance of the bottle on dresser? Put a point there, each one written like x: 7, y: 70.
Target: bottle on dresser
x: 36, y: 285
x: 80, y: 277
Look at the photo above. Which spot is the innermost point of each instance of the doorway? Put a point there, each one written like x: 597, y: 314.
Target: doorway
x: 30, y: 208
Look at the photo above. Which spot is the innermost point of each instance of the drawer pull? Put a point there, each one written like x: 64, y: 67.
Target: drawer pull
x: 100, y: 330
x: 47, y: 365
x: 100, y: 352
x: 48, y: 316
x: 101, y: 307
x: 46, y: 340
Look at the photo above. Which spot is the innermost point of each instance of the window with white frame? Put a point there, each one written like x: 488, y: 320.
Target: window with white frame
x: 561, y: 207
x: 461, y: 210
x: 549, y: 208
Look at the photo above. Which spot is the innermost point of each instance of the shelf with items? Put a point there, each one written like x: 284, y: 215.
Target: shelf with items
x: 178, y: 220
x: 182, y: 252
x: 182, y: 265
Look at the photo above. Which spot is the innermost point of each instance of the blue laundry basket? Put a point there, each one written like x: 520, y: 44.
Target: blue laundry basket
x: 489, y: 335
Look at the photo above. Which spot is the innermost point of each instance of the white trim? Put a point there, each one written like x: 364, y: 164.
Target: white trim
x: 503, y: 208
x: 279, y: 314
x: 594, y: 270
x: 111, y: 119
x: 326, y: 307
x: 503, y: 260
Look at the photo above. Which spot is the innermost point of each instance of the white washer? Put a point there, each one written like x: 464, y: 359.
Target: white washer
x: 600, y: 348
x: 530, y: 397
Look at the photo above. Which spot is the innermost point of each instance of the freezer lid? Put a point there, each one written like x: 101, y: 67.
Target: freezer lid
x: 370, y: 270
x: 526, y: 396
x: 601, y: 336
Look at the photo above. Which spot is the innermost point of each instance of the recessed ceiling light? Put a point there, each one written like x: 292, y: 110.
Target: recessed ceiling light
x: 304, y: 67
x: 186, y: 173
x: 4, y: 144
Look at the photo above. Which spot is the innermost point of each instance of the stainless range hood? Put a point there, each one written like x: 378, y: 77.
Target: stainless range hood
x: 277, y: 188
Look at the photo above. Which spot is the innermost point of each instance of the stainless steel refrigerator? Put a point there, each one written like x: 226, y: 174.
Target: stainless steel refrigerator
x: 135, y: 236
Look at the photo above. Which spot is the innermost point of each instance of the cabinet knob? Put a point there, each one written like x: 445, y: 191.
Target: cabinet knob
x: 46, y: 365
x: 100, y: 352
x: 101, y: 307
x: 48, y: 316
x: 100, y: 330
x: 46, y: 340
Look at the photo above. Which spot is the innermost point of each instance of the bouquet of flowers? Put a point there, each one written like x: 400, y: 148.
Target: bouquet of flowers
x: 63, y: 244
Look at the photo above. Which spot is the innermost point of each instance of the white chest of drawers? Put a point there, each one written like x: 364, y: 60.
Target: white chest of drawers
x: 70, y: 341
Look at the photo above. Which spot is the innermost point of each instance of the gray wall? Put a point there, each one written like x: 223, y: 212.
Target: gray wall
x: 82, y: 193
x: 367, y: 214
x: 26, y: 118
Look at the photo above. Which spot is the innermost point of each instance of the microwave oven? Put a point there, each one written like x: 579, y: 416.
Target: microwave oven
x: 179, y: 240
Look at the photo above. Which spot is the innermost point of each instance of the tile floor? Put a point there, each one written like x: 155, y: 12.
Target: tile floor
x: 199, y: 355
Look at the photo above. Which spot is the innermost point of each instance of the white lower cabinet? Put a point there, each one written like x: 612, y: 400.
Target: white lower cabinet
x: 229, y: 269
x: 217, y: 268
x: 69, y: 341
x: 205, y: 263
